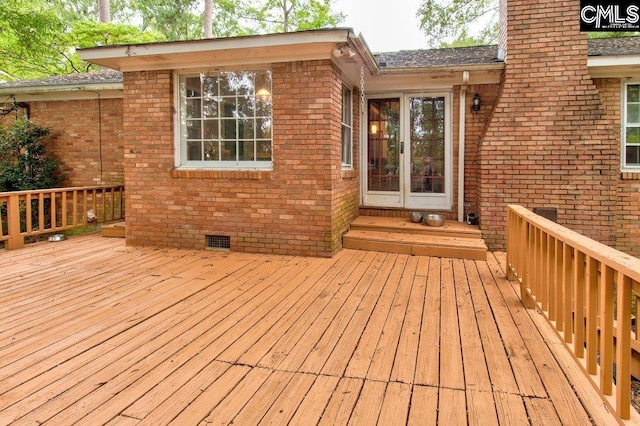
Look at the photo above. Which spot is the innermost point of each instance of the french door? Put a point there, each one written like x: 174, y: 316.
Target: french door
x: 408, y: 152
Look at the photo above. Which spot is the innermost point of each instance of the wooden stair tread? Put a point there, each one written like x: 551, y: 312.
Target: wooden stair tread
x: 400, y: 225
x: 406, y: 238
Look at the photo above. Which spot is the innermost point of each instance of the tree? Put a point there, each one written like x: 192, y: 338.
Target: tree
x: 208, y: 19
x: 447, y: 22
x: 25, y: 163
x: 295, y: 15
x: 104, y: 11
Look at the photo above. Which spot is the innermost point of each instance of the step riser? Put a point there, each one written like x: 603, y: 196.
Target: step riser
x: 426, y: 231
x: 415, y: 250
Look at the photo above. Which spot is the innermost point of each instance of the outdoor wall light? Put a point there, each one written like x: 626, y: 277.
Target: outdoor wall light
x: 341, y: 51
x: 263, y: 93
x: 475, y: 108
x: 374, y: 128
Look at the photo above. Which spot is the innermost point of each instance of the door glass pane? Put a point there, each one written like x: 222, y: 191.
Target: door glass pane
x: 383, y: 173
x: 427, y: 137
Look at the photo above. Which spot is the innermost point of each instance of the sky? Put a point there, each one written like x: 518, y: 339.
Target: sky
x: 386, y: 25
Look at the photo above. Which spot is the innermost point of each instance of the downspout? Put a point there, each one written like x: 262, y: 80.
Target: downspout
x: 461, y: 142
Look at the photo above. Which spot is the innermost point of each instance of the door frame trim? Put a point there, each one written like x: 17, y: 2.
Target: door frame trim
x: 403, y: 96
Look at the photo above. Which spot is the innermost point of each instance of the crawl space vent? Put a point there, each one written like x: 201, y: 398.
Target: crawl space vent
x: 218, y: 242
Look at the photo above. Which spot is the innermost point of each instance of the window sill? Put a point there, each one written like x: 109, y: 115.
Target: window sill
x: 221, y: 174
x: 630, y: 175
x: 349, y: 174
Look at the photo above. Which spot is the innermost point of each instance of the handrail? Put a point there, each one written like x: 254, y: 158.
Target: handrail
x: 30, y: 213
x: 586, y: 290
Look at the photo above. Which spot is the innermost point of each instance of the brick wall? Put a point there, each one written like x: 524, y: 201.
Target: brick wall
x: 548, y: 143
x: 300, y: 207
x: 86, y: 135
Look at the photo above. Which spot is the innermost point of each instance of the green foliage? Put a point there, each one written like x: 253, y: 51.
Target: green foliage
x: 295, y: 15
x: 447, y: 22
x: 39, y: 37
x: 25, y: 163
x: 29, y: 40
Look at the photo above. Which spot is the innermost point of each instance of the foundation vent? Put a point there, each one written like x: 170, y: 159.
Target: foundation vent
x: 218, y: 242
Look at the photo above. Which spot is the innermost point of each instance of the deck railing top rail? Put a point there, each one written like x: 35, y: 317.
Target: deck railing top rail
x: 588, y: 292
x: 30, y: 213
x: 609, y: 256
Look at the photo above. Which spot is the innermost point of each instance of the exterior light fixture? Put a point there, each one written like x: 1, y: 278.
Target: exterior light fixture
x: 475, y: 108
x: 341, y: 51
x: 263, y: 93
x: 374, y: 128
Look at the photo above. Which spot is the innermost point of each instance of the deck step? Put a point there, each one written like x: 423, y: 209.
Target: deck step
x: 116, y: 230
x: 396, y: 235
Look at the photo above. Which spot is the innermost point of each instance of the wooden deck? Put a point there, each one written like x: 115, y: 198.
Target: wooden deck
x: 97, y: 332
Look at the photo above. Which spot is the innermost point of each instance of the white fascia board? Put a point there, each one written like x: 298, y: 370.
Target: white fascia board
x: 64, y: 92
x: 613, y: 61
x: 212, y: 45
x: 621, y: 66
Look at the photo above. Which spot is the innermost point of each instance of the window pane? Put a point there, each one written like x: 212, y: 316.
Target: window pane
x: 193, y: 129
x: 263, y: 128
x: 193, y: 87
x: 210, y: 129
x: 209, y: 86
x: 633, y: 113
x: 229, y: 83
x: 633, y: 135
x: 263, y: 107
x: 245, y: 151
x: 228, y: 152
x: 246, y: 106
x: 228, y: 107
x: 193, y: 108
x: 210, y: 108
x: 346, y: 145
x: 211, y: 152
x: 194, y: 150
x: 632, y: 157
x: 633, y: 93
x: 263, y: 151
x: 228, y: 129
x: 245, y: 129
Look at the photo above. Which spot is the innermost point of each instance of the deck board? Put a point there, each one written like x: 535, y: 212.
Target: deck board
x: 98, y: 332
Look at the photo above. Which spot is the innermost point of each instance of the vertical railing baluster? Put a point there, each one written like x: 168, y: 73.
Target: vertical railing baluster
x: 567, y: 286
x: 551, y: 277
x: 592, y: 315
x: 579, y: 283
x: 623, y: 345
x: 606, y: 329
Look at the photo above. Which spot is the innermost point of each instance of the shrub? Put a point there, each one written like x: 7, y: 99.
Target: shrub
x: 25, y: 163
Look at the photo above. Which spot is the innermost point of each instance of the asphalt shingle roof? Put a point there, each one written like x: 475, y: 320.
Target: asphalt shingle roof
x: 105, y: 76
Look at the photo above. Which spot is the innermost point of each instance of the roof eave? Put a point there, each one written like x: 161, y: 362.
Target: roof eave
x: 614, y: 66
x: 64, y: 92
x: 247, y: 50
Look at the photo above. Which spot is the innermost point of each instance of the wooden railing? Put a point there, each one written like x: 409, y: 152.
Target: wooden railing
x: 588, y: 293
x: 30, y: 213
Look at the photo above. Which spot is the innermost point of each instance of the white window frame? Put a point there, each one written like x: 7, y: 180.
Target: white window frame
x: 180, y: 101
x: 625, y: 125
x: 346, y: 127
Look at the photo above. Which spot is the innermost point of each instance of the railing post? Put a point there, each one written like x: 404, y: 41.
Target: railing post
x: 13, y: 218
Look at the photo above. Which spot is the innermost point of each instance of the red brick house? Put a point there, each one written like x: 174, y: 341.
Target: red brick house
x: 277, y: 142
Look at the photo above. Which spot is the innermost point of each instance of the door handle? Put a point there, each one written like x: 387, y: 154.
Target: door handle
x: 401, y: 147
